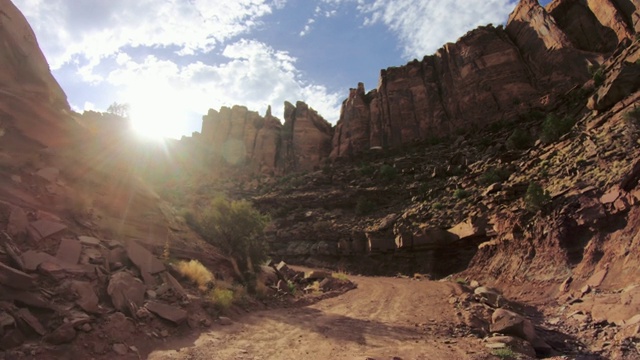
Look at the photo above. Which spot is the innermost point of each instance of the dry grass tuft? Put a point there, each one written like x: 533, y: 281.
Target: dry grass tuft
x: 196, y: 272
x: 341, y: 275
x: 221, y: 298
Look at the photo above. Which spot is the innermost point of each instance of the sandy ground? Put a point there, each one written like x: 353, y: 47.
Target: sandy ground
x: 383, y: 318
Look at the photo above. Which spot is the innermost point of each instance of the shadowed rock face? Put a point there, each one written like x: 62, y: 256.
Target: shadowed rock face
x: 237, y: 136
x: 24, y: 70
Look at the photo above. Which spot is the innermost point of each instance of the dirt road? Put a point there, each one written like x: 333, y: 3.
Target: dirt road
x: 381, y: 319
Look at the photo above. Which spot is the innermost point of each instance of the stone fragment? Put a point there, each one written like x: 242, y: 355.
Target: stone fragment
x: 126, y: 292
x: 597, y: 278
x: 15, y: 278
x: 317, y: 275
x: 120, y: 349
x: 167, y: 312
x: 174, y: 284
x: 223, y: 320
x: 49, y: 173
x: 488, y: 296
x: 89, y: 240
x: 69, y: 251
x: 64, y: 334
x: 42, y: 229
x: 32, y: 259
x: 18, y: 222
x: 12, y: 339
x: 509, y: 323
x: 144, y: 259
x: 28, y: 318
x: 611, y: 196
x: 87, y: 298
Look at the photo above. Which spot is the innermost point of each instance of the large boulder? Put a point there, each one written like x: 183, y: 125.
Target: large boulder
x: 126, y: 292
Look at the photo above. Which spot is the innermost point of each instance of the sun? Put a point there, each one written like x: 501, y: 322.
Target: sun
x: 155, y: 114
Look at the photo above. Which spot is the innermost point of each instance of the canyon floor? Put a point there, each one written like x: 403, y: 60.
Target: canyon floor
x: 384, y: 318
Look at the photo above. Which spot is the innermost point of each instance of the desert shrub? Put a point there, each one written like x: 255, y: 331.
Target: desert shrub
x: 597, y: 74
x: 504, y: 353
x: 236, y: 228
x: 519, y: 139
x: 438, y: 206
x: 366, y: 169
x: 461, y: 194
x: 632, y: 117
x: 221, y: 298
x: 536, y: 197
x: 340, y: 275
x: 554, y: 127
x: 494, y: 175
x: 388, y: 172
x: 364, y: 206
x: 196, y: 272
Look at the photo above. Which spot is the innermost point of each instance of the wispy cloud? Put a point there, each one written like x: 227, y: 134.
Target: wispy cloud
x: 254, y: 75
x: 423, y: 26
x: 93, y: 30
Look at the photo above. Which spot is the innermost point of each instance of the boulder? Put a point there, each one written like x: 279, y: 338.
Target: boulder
x: 64, y: 334
x: 18, y: 222
x: 15, y: 278
x: 42, y: 229
x: 488, y: 296
x: 87, y: 298
x: 167, y: 312
x: 89, y: 240
x: 32, y: 322
x: 11, y: 339
x: 69, y: 251
x: 49, y: 173
x: 509, y: 323
x: 126, y: 292
x: 144, y: 259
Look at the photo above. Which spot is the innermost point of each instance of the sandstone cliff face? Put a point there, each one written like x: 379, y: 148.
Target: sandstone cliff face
x: 237, y: 136
x: 490, y: 74
x: 23, y: 67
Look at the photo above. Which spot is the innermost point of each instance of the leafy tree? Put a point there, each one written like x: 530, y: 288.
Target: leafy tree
x: 236, y: 228
x: 121, y: 110
x: 536, y: 197
x: 554, y: 127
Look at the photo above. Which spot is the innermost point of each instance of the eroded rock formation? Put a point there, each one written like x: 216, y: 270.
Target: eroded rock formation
x: 238, y: 136
x: 488, y: 75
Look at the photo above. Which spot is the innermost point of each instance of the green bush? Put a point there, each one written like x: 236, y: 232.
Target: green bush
x: 554, y: 127
x: 461, y: 194
x: 222, y: 299
x: 236, y: 228
x: 520, y: 139
x: 597, y: 74
x: 364, y: 206
x: 388, y: 172
x: 536, y: 197
x: 366, y: 169
x: 504, y: 353
x: 494, y: 175
x: 632, y: 117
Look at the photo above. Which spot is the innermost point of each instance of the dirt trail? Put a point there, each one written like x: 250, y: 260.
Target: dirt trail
x: 382, y: 318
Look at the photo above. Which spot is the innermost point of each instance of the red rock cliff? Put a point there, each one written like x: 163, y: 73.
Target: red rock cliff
x: 239, y: 136
x: 490, y: 74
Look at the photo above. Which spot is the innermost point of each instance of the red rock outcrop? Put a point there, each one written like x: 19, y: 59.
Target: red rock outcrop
x: 237, y: 136
x: 488, y: 75
x: 24, y: 68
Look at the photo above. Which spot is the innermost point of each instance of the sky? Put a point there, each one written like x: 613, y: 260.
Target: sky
x: 172, y: 60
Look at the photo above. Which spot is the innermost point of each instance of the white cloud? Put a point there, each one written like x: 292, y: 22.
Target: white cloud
x: 423, y: 26
x: 100, y: 28
x: 255, y: 75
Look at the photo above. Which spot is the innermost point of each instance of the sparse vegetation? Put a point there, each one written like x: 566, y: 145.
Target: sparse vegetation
x: 504, y: 353
x: 196, y: 272
x: 221, y: 298
x: 236, y: 228
x: 520, y: 139
x: 597, y: 74
x: 366, y: 169
x: 340, y: 275
x: 388, y: 172
x: 461, y: 194
x: 554, y: 127
x: 536, y: 197
x: 364, y: 206
x: 494, y: 175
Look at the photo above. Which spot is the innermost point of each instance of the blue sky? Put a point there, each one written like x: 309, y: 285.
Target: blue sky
x: 172, y: 60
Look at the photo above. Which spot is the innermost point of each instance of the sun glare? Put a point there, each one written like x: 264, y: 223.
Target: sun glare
x: 155, y: 115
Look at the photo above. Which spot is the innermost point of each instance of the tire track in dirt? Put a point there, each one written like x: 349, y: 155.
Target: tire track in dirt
x: 382, y: 318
